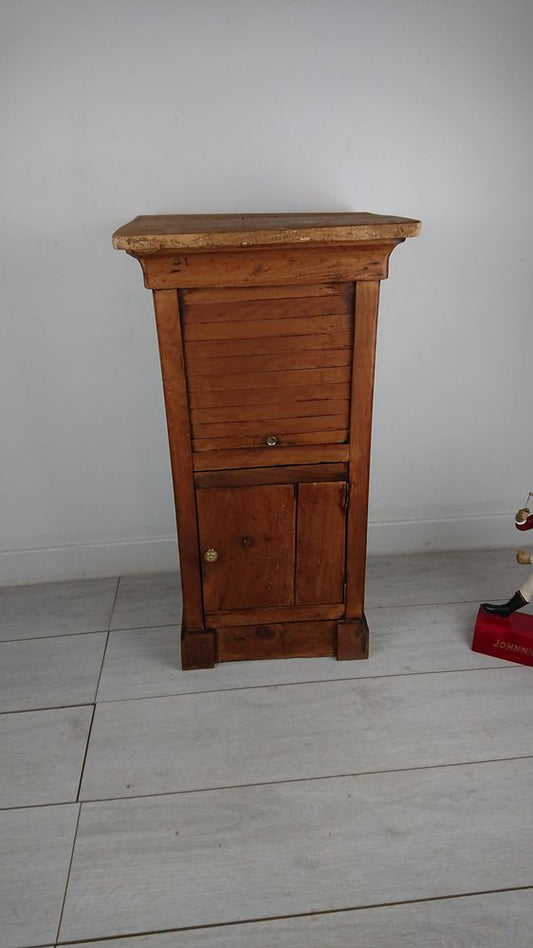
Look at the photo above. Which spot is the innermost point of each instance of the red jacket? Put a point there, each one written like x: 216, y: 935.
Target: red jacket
x: 526, y: 525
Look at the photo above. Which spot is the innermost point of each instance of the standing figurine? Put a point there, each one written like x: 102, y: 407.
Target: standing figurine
x: 523, y: 521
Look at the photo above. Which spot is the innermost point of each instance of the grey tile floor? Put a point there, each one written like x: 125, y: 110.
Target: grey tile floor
x: 303, y: 803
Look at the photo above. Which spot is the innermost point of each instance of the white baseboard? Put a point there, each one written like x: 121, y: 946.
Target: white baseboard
x: 438, y: 536
x: 88, y: 561
x: 159, y: 554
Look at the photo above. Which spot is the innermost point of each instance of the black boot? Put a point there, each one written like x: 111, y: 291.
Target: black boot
x: 505, y: 609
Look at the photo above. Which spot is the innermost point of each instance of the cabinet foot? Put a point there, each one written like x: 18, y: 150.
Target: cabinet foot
x: 352, y: 639
x: 197, y: 648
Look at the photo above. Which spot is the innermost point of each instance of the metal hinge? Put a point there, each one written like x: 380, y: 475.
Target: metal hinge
x: 346, y: 495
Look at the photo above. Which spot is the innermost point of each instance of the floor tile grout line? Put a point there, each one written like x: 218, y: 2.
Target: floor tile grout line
x: 238, y: 688
x: 82, y: 769
x: 58, y: 635
x: 52, y: 707
x: 67, y: 880
x: 272, y: 783
x: 507, y: 666
x: 113, y: 604
x: 291, y: 780
x: 476, y: 893
x: 104, y: 653
x: 88, y: 741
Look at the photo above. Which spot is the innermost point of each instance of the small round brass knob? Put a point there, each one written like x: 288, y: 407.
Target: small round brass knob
x: 210, y: 556
x: 271, y: 441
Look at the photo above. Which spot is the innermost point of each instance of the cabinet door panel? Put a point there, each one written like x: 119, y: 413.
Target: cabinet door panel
x: 252, y: 529
x: 320, y: 545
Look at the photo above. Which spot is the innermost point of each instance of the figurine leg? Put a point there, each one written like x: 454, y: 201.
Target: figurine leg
x: 517, y: 601
x: 527, y: 589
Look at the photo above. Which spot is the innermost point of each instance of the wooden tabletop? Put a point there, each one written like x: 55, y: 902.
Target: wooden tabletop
x: 151, y: 234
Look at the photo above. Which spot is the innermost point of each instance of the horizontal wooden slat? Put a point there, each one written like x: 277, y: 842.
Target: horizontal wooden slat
x: 334, y: 436
x: 276, y: 614
x: 303, y: 409
x: 270, y: 457
x: 282, y: 424
x: 262, y: 396
x: 261, y: 328
x: 225, y: 294
x: 298, y: 474
x: 265, y: 309
x: 279, y: 640
x: 262, y: 267
x: 313, y: 378
x: 203, y: 348
x: 308, y: 359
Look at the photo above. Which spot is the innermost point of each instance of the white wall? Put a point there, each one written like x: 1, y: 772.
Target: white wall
x: 113, y: 108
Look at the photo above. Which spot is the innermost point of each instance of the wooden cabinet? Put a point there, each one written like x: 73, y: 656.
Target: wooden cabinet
x: 267, y: 330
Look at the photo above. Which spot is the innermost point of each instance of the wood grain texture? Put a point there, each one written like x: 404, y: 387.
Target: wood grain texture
x: 263, y: 328
x: 175, y: 392
x: 278, y: 362
x: 275, y: 394
x: 268, y: 475
x: 311, y: 639
x: 244, y: 309
x: 299, y: 265
x: 252, y: 531
x: 226, y: 294
x: 265, y: 852
x: 197, y: 648
x: 296, y: 613
x: 278, y: 411
x: 352, y: 639
x: 154, y: 233
x: 312, y: 378
x: 274, y: 345
x: 324, y: 435
x: 267, y: 329
x: 366, y: 313
x: 320, y: 543
x: 267, y: 457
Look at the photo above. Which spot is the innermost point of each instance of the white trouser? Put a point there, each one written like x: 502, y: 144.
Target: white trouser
x: 527, y: 589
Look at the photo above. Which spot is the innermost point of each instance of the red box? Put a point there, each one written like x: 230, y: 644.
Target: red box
x: 511, y: 639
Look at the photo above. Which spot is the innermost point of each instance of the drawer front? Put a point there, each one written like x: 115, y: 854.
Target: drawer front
x: 266, y: 368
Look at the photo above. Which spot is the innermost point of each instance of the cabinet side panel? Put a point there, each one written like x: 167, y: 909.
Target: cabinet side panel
x: 320, y: 543
x: 366, y: 311
x: 175, y: 392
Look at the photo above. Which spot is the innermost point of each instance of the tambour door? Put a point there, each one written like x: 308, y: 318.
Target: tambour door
x: 268, y: 366
x: 278, y: 545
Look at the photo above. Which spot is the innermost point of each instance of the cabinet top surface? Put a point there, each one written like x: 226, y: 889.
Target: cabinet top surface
x: 167, y: 232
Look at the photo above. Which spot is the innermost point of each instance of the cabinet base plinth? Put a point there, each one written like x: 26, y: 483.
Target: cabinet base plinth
x: 344, y: 639
x: 276, y: 640
x: 352, y: 639
x: 197, y: 648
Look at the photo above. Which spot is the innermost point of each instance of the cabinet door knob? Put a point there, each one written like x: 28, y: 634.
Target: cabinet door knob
x: 210, y: 556
x: 271, y: 441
